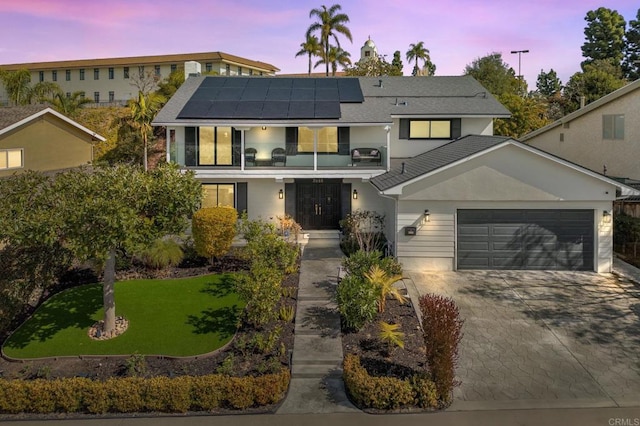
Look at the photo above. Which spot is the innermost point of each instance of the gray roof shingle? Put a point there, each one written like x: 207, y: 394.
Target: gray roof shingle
x: 435, y: 159
x: 13, y: 115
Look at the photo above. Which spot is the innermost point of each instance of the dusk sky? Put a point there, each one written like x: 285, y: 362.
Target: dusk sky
x: 456, y: 32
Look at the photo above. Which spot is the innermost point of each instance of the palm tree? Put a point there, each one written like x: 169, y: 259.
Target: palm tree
x: 416, y: 52
x: 335, y: 57
x: 310, y: 47
x: 329, y: 25
x: 143, y: 110
x: 68, y: 105
x: 16, y: 84
x: 379, y: 278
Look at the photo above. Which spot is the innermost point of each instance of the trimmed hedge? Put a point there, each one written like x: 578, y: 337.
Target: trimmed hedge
x: 135, y: 394
x: 386, y: 393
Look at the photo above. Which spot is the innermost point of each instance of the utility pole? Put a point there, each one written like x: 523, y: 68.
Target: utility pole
x: 519, y: 52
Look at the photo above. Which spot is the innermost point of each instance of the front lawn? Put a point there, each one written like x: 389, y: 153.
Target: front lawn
x: 173, y: 317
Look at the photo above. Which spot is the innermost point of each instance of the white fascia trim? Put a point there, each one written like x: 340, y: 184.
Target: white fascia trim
x: 57, y: 114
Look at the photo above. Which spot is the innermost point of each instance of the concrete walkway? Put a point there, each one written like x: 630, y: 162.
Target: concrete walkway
x: 316, y: 381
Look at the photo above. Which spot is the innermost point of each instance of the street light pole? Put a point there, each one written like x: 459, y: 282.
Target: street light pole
x: 519, y: 52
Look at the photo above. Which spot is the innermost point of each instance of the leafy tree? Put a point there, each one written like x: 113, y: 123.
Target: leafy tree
x: 397, y: 62
x: 604, y: 36
x: 16, y: 84
x: 418, y: 52
x: 310, y: 47
x: 336, y: 56
x: 527, y: 115
x: 599, y: 78
x: 121, y: 208
x: 375, y: 68
x: 494, y: 74
x: 330, y: 23
x: 548, y: 83
x: 107, y: 121
x: 168, y: 87
x: 68, y: 105
x: 143, y: 110
x: 631, y: 63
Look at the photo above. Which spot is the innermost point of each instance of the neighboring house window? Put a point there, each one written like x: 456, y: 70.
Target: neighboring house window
x: 112, y: 96
x: 613, y: 126
x: 41, y: 76
x: 54, y: 75
x: 367, y: 54
x: 208, y: 67
x: 141, y: 71
x: 429, y: 129
x: 67, y: 75
x: 157, y: 70
x: 327, y: 139
x: 81, y: 73
x: 215, y: 146
x: 218, y: 194
x: 126, y: 72
x: 227, y: 69
x: 250, y: 72
x: 96, y: 73
x: 68, y: 94
x: 96, y: 97
x: 111, y: 73
x: 174, y: 67
x: 11, y: 159
x: 239, y: 70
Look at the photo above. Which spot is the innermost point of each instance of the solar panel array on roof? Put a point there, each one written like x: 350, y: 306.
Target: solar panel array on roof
x: 271, y: 98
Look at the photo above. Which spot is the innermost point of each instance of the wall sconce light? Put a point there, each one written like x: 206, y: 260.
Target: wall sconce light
x: 427, y: 217
x: 281, y: 194
x: 606, y: 216
x: 264, y: 127
x: 355, y: 194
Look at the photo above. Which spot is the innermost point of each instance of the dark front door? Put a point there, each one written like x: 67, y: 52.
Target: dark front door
x: 318, y: 203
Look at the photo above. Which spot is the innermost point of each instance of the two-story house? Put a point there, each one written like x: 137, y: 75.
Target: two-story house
x: 419, y: 150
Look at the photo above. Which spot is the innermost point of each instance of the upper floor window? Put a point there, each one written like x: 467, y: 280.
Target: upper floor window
x: 96, y: 73
x: 54, y: 75
x: 429, y: 129
x: 227, y: 69
x: 174, y: 67
x: 141, y: 71
x: 111, y: 72
x: 239, y: 70
x: 81, y: 73
x: 11, y: 158
x: 41, y: 76
x: 157, y: 70
x: 125, y: 71
x: 208, y: 67
x: 67, y: 75
x: 613, y: 126
x: 327, y: 139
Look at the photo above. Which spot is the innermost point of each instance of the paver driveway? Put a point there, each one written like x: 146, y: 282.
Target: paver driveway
x: 543, y: 338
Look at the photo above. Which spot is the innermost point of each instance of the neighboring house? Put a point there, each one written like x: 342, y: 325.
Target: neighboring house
x: 603, y: 136
x: 113, y: 80
x: 37, y: 137
x: 419, y: 150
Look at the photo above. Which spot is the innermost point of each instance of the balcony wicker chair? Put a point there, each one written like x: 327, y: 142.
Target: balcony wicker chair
x: 278, y: 155
x: 250, y: 156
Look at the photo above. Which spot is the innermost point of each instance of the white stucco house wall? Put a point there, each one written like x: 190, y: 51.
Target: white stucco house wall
x: 419, y: 150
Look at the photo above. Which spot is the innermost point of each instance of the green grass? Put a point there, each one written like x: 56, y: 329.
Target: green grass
x: 177, y: 317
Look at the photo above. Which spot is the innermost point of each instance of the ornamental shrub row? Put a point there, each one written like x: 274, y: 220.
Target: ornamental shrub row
x: 386, y: 393
x: 135, y: 394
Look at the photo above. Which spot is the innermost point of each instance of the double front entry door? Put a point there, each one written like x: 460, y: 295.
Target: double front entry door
x: 318, y: 204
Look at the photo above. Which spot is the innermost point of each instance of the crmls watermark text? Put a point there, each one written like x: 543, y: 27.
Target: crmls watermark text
x: 616, y: 421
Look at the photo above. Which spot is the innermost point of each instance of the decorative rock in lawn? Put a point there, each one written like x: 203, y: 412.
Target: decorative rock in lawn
x: 96, y: 331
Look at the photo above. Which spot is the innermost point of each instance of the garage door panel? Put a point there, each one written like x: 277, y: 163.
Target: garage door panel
x: 525, y: 239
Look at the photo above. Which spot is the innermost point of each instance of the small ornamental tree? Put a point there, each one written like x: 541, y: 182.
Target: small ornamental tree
x: 213, y: 229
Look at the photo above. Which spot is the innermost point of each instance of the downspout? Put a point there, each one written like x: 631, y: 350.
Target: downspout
x: 168, y: 144
x: 388, y: 130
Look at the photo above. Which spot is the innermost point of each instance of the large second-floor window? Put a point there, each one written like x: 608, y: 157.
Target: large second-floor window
x: 327, y: 139
x: 11, y: 159
x: 613, y: 126
x: 125, y: 72
x: 81, y: 73
x: 67, y: 75
x: 111, y: 73
x: 212, y: 146
x: 96, y: 73
x: 54, y: 75
x: 429, y: 128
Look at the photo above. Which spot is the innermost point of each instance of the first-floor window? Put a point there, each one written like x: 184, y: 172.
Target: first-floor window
x: 218, y: 194
x: 125, y: 72
x: 327, y: 139
x: 613, y: 126
x: 11, y: 158
x: 112, y: 96
x: 96, y: 97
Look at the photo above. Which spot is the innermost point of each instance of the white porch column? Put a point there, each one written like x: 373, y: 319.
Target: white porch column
x: 168, y: 144
x: 315, y: 149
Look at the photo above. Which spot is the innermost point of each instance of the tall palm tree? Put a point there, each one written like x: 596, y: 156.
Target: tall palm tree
x: 16, y: 84
x: 330, y: 23
x: 335, y: 57
x: 310, y: 47
x: 143, y: 110
x: 416, y: 52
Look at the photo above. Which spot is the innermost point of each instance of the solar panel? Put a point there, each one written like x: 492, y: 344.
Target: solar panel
x: 212, y: 82
x: 249, y: 109
x: 230, y: 93
x: 205, y: 94
x: 302, y: 94
x: 328, y: 95
x: 275, y: 110
x: 327, y: 109
x: 278, y: 94
x: 236, y: 82
x: 254, y: 94
x: 326, y: 83
x: 223, y: 109
x: 281, y: 82
x: 350, y: 90
x: 195, y: 109
x: 301, y: 109
x: 304, y: 83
